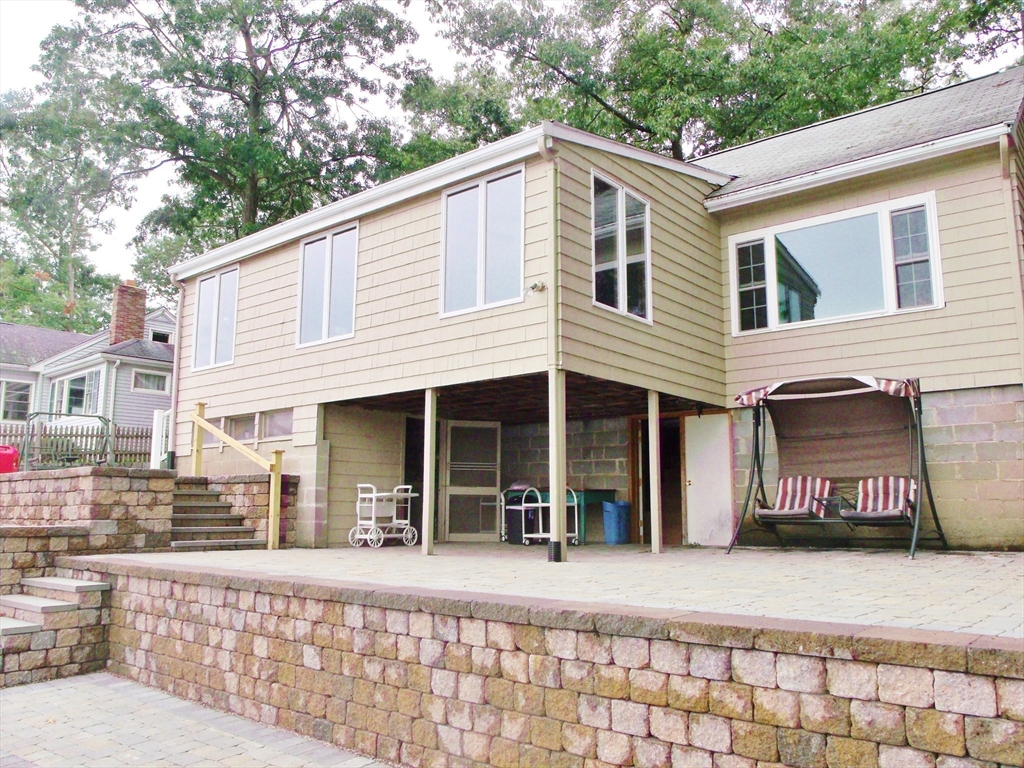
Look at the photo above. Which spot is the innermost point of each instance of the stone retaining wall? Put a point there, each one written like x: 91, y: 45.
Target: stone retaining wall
x: 29, y: 551
x: 457, y: 680
x: 124, y: 509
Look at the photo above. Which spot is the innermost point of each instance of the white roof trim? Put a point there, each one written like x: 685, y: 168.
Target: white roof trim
x: 506, y: 151
x: 894, y: 159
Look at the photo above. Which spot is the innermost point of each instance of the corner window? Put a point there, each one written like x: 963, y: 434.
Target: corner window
x: 482, y: 259
x: 16, y: 397
x: 149, y: 381
x: 327, y: 298
x: 215, y: 320
x: 622, y: 255
x: 77, y: 395
x: 871, y: 261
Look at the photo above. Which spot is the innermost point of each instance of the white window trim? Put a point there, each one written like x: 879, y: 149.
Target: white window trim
x: 481, y: 240
x: 620, y: 242
x: 170, y: 334
x: 65, y: 392
x: 260, y: 426
x: 327, y: 287
x: 165, y: 374
x: 3, y: 399
x: 883, y: 210
x: 195, y: 321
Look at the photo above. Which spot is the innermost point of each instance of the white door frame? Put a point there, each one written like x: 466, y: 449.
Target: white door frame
x: 709, y: 479
x: 446, y: 485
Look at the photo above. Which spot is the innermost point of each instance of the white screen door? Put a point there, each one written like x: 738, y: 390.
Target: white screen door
x: 474, y: 480
x: 708, y: 479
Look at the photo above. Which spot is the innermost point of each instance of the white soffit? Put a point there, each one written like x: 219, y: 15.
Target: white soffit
x: 506, y: 151
x: 894, y: 159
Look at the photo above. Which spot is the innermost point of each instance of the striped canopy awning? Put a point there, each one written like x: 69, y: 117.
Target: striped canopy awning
x: 829, y: 386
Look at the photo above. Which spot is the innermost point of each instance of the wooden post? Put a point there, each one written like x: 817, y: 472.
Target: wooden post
x: 429, y: 467
x: 197, y: 442
x: 274, y: 513
x: 654, y: 466
x: 556, y: 460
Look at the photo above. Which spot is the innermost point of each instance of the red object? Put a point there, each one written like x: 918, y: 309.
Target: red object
x: 8, y: 458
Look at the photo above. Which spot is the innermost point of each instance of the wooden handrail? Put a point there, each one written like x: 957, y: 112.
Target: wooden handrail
x: 273, y: 466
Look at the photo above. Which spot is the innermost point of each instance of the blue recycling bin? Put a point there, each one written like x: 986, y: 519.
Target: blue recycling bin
x: 616, y: 522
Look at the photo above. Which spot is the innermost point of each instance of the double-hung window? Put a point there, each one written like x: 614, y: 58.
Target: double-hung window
x: 871, y: 261
x: 215, y: 319
x: 327, y: 292
x: 482, y: 261
x: 16, y: 397
x: 77, y: 395
x: 622, y: 251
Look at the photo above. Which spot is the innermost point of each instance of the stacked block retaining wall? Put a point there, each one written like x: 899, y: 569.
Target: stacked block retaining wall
x: 458, y: 680
x: 249, y: 496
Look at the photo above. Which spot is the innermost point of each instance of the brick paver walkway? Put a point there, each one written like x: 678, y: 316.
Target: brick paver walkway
x: 960, y: 592
x: 102, y: 721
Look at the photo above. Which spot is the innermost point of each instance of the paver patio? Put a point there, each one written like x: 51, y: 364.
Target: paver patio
x: 980, y: 593
x: 102, y: 721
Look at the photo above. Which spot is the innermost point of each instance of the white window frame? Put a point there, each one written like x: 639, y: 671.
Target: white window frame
x: 481, y: 240
x: 299, y: 344
x: 218, y: 275
x: 170, y: 334
x: 61, y: 383
x: 3, y: 399
x: 261, y: 425
x: 165, y: 374
x: 884, y: 211
x: 620, y: 263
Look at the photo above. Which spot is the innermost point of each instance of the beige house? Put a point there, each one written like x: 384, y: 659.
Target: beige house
x: 447, y: 318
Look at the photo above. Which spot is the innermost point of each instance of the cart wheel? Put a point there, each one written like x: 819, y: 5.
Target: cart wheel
x: 526, y: 542
x: 354, y: 539
x: 409, y: 536
x: 504, y: 537
x: 375, y: 536
x: 575, y: 542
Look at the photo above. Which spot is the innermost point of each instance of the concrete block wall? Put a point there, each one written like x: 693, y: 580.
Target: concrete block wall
x: 974, y: 443
x: 457, y: 681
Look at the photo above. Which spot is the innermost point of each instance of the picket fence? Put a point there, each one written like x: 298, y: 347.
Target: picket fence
x: 81, y: 445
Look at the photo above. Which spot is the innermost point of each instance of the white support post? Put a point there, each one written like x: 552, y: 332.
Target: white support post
x: 429, y: 467
x: 654, y: 466
x: 556, y: 460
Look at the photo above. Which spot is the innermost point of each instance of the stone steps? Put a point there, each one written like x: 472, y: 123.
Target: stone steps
x: 220, y: 544
x: 201, y: 521
x: 205, y: 520
x: 9, y: 626
x: 206, y: 533
x: 84, y: 594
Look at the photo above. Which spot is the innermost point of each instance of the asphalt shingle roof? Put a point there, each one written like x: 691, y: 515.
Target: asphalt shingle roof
x: 26, y: 344
x: 145, y: 350
x: 938, y: 114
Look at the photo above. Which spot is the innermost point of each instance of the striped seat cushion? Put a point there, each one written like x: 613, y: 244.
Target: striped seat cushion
x: 880, y: 498
x: 797, y: 497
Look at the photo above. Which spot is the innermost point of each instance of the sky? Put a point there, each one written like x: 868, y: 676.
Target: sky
x: 24, y: 24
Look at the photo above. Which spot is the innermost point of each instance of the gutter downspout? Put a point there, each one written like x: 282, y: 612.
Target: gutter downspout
x: 176, y: 370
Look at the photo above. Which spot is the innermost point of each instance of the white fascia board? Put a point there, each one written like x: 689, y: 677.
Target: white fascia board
x: 883, y: 162
x: 509, y: 150
x: 575, y: 135
x: 54, y: 371
x: 145, y: 362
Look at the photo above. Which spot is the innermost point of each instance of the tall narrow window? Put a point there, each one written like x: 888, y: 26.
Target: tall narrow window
x: 621, y: 251
x: 912, y: 257
x: 327, y: 309
x: 751, y: 281
x: 215, y: 319
x: 483, y: 244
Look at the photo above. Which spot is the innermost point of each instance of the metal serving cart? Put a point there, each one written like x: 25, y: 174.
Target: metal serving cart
x: 534, y: 508
x: 382, y: 515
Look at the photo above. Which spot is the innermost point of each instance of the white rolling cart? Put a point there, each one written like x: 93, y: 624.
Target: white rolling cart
x: 538, y: 506
x: 383, y: 515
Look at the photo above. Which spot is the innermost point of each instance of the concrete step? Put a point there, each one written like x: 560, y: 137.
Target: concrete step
x: 192, y: 533
x: 201, y: 507
x: 196, y: 495
x: 9, y: 626
x: 84, y: 594
x: 211, y: 544
x: 185, y: 520
x: 36, y: 604
x: 47, y: 612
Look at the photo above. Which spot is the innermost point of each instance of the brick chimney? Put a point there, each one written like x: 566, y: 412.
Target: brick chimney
x: 128, y: 315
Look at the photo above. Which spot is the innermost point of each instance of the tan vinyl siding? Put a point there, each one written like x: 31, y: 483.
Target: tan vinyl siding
x: 400, y: 342
x: 366, y: 447
x: 973, y: 341
x: 682, y: 352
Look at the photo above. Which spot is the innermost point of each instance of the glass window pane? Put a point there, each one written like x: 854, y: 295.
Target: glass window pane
x: 753, y: 309
x: 277, y: 423
x: 242, y: 427
x: 155, y: 382
x: 910, y: 234
x: 503, y: 279
x: 92, y: 392
x: 343, y: 284
x: 750, y: 264
x: 225, y: 347
x: 830, y: 270
x: 460, y: 252
x: 606, y: 287
x: 314, y: 271
x: 205, y: 315
x: 16, y: 400
x: 606, y: 221
x: 636, y: 288
x: 76, y: 396
x: 636, y: 256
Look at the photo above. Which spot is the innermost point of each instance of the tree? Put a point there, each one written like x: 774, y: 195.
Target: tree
x: 60, y: 172
x: 694, y: 76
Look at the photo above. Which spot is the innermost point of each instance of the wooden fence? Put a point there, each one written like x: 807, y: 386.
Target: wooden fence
x: 57, y: 444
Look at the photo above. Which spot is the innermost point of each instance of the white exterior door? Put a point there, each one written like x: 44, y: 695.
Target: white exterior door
x: 473, y: 470
x: 708, y: 479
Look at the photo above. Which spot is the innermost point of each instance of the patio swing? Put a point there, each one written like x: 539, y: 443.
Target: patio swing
x: 839, y: 436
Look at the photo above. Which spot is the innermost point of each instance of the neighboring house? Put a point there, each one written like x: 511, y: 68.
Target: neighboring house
x: 558, y: 277
x: 122, y: 373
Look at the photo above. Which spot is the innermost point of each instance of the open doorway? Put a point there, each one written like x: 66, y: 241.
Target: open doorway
x: 673, y: 503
